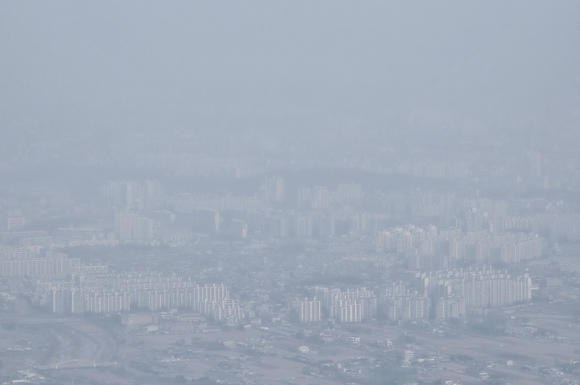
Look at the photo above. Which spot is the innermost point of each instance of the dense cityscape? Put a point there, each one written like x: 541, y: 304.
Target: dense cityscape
x: 295, y: 193
x: 309, y: 274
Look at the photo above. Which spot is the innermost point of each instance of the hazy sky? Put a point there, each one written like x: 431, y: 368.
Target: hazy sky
x: 110, y: 64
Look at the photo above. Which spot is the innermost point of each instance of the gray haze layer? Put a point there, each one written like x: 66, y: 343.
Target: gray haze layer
x: 104, y: 65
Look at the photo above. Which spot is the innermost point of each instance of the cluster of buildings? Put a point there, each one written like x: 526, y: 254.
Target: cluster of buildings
x: 341, y: 306
x: 431, y: 248
x: 557, y: 226
x: 134, y: 227
x: 133, y: 195
x: 66, y: 285
x: 465, y: 231
x: 348, y: 306
x: 21, y: 262
x: 454, y: 293
x: 105, y: 292
x: 443, y: 294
